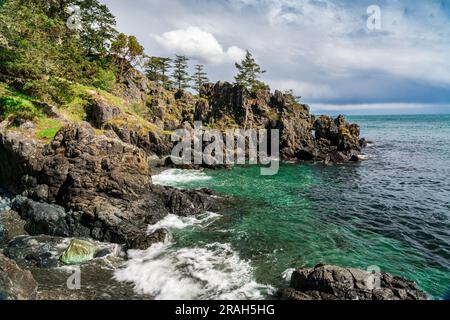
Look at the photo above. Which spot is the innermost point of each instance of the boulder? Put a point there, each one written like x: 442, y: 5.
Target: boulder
x: 15, y: 283
x: 11, y: 226
x: 100, y: 111
x: 46, y: 252
x: 326, y: 282
x: 79, y: 251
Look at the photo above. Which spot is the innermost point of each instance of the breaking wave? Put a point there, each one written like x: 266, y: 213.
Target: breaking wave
x: 167, y: 272
x: 174, y: 177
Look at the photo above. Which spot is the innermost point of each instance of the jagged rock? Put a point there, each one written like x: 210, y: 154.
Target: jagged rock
x: 99, y: 187
x: 15, y: 283
x: 134, y: 86
x: 325, y: 282
x: 151, y: 142
x: 49, y: 110
x: 11, y: 226
x: 100, y: 111
x: 302, y: 136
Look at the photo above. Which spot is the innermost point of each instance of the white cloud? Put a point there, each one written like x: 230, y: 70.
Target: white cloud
x: 305, y: 89
x: 198, y: 44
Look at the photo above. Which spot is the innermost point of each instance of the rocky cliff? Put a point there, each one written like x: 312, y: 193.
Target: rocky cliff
x: 89, y: 185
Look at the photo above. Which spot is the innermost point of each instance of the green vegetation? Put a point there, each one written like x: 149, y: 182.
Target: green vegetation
x: 13, y: 103
x: 180, y: 73
x: 200, y: 78
x: 48, y: 128
x: 127, y: 52
x: 63, y: 53
x: 248, y: 74
x: 157, y: 68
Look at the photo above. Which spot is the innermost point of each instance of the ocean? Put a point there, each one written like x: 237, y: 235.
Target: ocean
x: 390, y: 211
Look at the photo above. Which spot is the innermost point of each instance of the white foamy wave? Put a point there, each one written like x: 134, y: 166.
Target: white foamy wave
x: 213, y: 272
x: 363, y: 157
x: 173, y: 177
x: 172, y: 221
x: 287, y: 275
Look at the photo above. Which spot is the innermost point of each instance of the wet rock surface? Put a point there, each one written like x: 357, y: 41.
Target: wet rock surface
x: 325, y: 282
x: 15, y: 283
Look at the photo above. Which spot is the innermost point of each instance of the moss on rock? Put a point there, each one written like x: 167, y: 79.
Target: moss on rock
x: 79, y: 251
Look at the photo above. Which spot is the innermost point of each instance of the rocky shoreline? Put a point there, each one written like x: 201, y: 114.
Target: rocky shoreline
x: 90, y: 188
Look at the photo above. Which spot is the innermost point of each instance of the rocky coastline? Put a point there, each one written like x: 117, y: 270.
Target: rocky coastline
x: 89, y: 190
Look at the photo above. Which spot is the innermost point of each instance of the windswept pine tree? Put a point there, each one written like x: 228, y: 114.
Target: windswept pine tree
x: 180, y: 72
x: 157, y: 68
x: 200, y: 77
x: 249, y: 72
x: 127, y: 49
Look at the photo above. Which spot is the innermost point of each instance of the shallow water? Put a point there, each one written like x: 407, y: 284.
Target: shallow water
x: 391, y: 211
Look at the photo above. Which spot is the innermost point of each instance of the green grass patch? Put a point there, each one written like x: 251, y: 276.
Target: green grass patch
x: 48, y: 128
x: 13, y: 103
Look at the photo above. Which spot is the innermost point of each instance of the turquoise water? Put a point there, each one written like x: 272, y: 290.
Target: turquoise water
x: 392, y: 210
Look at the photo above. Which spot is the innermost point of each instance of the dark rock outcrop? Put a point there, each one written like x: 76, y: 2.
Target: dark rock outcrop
x: 86, y: 185
x: 326, y: 282
x: 11, y: 226
x: 15, y: 283
x: 303, y: 137
x: 100, y: 111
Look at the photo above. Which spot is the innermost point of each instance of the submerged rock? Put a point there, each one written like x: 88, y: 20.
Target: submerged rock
x: 79, y: 251
x: 325, y: 282
x: 15, y: 283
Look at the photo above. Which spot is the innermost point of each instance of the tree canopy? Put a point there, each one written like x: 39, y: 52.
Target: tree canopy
x: 249, y: 72
x: 157, y: 68
x: 180, y: 72
x: 200, y: 77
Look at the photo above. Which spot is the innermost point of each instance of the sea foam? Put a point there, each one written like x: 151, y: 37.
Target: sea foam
x: 212, y: 272
x: 167, y: 272
x: 172, y: 222
x: 173, y: 177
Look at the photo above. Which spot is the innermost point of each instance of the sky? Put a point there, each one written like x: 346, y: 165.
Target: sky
x: 341, y: 56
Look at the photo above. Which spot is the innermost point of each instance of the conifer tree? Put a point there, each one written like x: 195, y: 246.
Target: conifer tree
x: 180, y: 73
x: 249, y: 72
x: 200, y: 77
x: 156, y: 69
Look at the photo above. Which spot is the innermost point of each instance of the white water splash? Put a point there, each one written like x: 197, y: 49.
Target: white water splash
x: 212, y: 272
x: 287, y: 274
x: 363, y: 157
x: 172, y: 222
x: 173, y: 177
